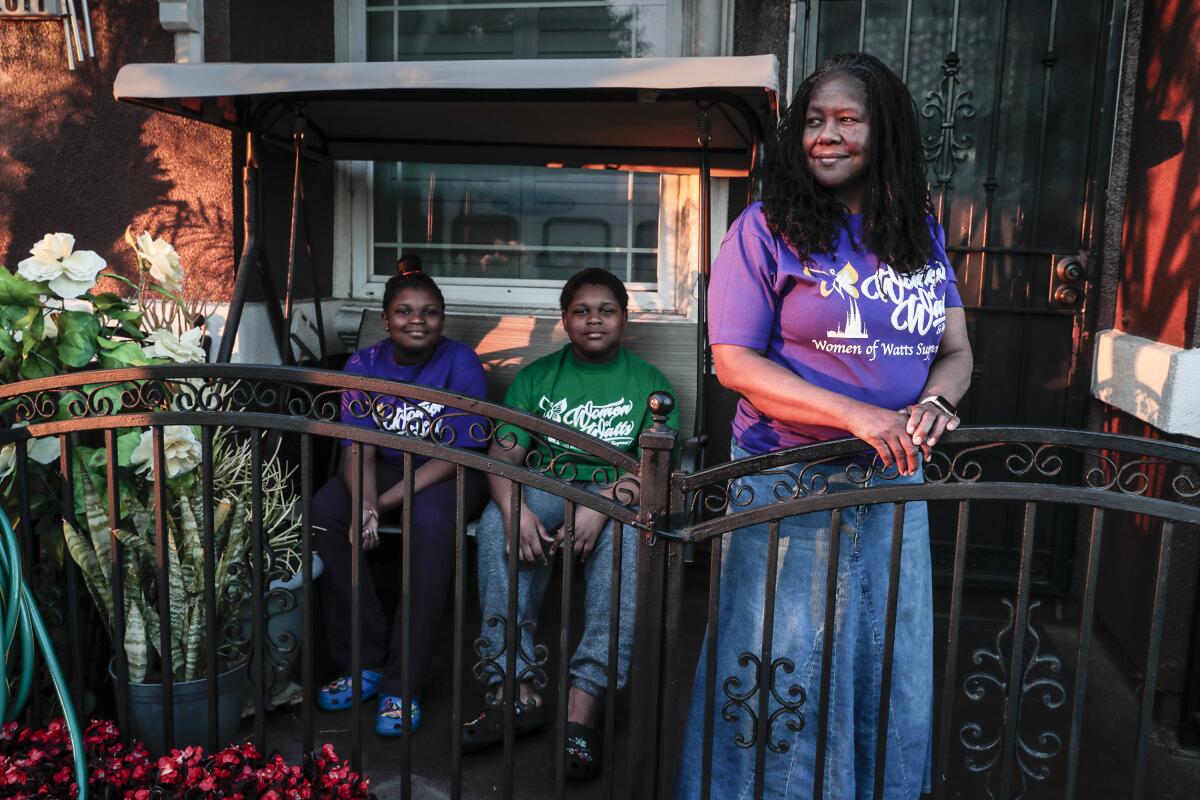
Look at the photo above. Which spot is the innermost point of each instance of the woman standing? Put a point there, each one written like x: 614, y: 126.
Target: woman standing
x: 834, y: 313
x: 413, y: 352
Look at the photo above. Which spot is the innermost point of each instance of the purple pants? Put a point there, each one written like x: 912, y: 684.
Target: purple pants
x: 432, y: 569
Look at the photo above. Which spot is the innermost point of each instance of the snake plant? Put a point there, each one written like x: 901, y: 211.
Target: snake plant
x: 90, y: 544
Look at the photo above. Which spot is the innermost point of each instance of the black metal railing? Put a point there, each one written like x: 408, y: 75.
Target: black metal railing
x: 285, y: 416
x: 1000, y: 752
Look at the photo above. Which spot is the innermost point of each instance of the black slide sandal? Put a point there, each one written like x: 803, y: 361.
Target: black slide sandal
x: 487, y: 729
x: 582, y: 753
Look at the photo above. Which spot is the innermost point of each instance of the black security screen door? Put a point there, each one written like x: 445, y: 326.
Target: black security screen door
x: 1015, y: 102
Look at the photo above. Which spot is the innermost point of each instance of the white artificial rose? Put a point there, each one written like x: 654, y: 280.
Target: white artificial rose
x: 69, y: 272
x: 48, y: 255
x: 163, y: 262
x: 184, y: 349
x: 50, y: 327
x: 44, y: 450
x: 181, y: 451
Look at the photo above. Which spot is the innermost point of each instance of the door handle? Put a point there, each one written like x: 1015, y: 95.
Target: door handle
x: 1067, y: 280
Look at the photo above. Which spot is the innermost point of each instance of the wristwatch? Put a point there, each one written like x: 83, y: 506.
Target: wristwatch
x: 941, y: 404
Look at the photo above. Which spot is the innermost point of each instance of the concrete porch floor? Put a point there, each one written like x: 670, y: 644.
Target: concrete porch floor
x: 1105, y: 766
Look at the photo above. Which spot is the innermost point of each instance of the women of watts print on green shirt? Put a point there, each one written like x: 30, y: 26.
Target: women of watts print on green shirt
x: 607, y: 401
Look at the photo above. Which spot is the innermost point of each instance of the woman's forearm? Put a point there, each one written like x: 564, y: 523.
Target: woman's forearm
x: 780, y: 393
x: 432, y: 472
x: 950, y: 373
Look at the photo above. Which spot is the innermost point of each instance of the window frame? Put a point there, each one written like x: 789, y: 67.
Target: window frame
x: 678, y: 229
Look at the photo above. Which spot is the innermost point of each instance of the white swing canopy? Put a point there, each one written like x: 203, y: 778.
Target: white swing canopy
x: 605, y: 113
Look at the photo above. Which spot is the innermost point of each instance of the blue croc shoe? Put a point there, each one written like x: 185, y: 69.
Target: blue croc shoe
x: 390, y: 721
x: 339, y: 694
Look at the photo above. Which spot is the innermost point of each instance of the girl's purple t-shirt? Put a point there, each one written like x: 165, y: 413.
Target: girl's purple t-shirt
x: 844, y: 321
x: 453, y: 366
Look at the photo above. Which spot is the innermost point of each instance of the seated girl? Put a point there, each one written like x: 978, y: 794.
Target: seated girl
x: 414, y: 352
x: 597, y: 387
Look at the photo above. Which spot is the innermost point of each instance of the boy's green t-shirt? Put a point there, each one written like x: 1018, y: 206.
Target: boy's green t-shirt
x: 607, y: 401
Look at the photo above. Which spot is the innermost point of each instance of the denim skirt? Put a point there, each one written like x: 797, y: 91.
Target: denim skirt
x: 794, y: 682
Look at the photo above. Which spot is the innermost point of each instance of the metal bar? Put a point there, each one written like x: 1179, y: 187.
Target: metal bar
x: 672, y: 628
x: 1150, y: 680
x: 70, y: 52
x: 460, y: 624
x: 85, y: 12
x: 703, y: 359
x: 1016, y: 666
x: 1084, y: 651
x: 248, y: 261
x: 616, y: 531
x: 258, y: 589
x: 164, y: 583
x: 511, y: 633
x: 210, y: 583
x: 71, y: 15
x: 70, y: 568
x: 941, y: 784
x: 764, y: 664
x: 116, y: 553
x: 908, y: 9
x: 318, y: 313
x: 564, y: 645
x: 990, y: 182
x: 862, y: 25
x: 710, y: 663
x: 406, y: 687
x: 831, y: 577
x: 356, y: 665
x: 1049, y: 59
x: 308, y: 596
x: 285, y: 349
x: 889, y: 647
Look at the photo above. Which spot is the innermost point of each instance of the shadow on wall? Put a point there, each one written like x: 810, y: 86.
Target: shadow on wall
x: 1158, y: 289
x: 74, y: 159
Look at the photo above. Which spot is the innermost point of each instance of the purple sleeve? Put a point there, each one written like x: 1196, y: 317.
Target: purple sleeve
x: 467, y: 378
x: 939, y: 236
x: 741, y: 295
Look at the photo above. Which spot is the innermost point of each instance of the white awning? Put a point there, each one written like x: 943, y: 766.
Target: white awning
x: 628, y: 113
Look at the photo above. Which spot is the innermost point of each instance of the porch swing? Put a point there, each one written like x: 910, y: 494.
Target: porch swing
x: 702, y: 116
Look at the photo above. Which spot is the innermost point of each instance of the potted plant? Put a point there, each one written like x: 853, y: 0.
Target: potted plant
x: 53, y: 319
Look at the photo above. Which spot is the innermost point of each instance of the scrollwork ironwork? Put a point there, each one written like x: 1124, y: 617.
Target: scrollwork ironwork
x: 1038, y: 682
x: 489, y: 667
x: 788, y: 702
x: 950, y: 102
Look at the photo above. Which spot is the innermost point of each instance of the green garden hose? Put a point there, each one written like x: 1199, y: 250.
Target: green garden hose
x: 21, y: 619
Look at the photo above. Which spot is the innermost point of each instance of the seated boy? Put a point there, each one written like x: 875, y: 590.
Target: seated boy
x: 595, y: 386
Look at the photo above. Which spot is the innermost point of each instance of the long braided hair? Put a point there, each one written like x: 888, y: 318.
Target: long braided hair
x: 896, y: 205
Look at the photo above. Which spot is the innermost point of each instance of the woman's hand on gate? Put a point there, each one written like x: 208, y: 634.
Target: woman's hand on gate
x: 588, y: 526
x: 927, y: 423
x: 886, y: 431
x: 534, y: 542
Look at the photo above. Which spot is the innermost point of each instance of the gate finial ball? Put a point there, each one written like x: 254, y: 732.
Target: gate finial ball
x: 661, y: 404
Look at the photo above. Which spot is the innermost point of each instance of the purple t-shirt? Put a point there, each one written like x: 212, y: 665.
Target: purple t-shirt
x: 844, y: 321
x: 453, y: 367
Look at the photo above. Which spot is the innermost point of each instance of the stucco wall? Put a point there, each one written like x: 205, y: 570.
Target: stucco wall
x: 1160, y: 276
x: 73, y: 159
x: 1156, y: 287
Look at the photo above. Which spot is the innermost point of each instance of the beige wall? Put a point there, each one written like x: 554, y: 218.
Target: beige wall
x: 72, y: 159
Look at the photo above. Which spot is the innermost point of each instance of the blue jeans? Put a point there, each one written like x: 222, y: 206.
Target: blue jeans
x: 589, y: 662
x: 798, y: 631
